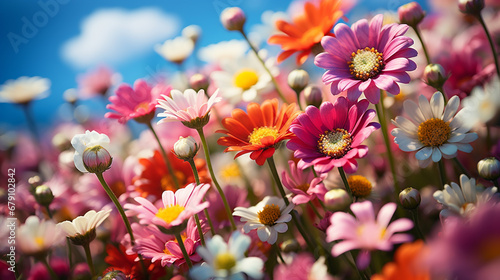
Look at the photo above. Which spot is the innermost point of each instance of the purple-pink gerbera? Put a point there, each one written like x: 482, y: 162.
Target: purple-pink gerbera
x: 364, y: 232
x: 177, y: 207
x: 367, y: 58
x: 331, y: 136
x: 303, y: 184
x: 138, y: 103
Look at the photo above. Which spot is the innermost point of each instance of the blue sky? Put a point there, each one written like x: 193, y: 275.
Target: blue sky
x: 33, y: 34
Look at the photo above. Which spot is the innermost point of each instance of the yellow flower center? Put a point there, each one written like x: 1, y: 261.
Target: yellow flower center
x: 269, y: 215
x: 143, y: 105
x: 170, y: 213
x: 245, y: 78
x: 490, y: 249
x: 365, y: 63
x: 360, y: 186
x: 335, y: 143
x: 224, y: 261
x: 39, y: 241
x: 261, y: 132
x: 183, y: 237
x: 434, y: 132
x: 231, y: 171
x: 303, y: 187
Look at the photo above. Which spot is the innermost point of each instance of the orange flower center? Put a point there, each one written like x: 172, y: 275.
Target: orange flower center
x: 170, y: 213
x: 335, y: 143
x: 143, y: 105
x: 360, y: 186
x: 434, y: 132
x: 303, y: 187
x: 365, y: 63
x: 245, y: 79
x: 269, y: 215
x: 261, y: 132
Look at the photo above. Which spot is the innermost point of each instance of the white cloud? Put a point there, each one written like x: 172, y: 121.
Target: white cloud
x: 110, y: 36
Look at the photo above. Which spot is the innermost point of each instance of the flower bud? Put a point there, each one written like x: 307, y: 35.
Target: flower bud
x: 199, y: 81
x: 96, y: 159
x: 410, y: 198
x: 114, y: 275
x: 471, y: 7
x: 43, y: 195
x: 298, y: 79
x: 192, y: 32
x: 434, y: 75
x: 290, y: 246
x: 313, y: 96
x: 186, y: 148
x: 489, y: 168
x: 337, y: 199
x: 411, y: 14
x: 35, y: 181
x: 233, y: 19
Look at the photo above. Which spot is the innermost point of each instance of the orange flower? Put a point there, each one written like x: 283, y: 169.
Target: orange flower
x: 307, y: 29
x: 406, y: 264
x: 258, y: 131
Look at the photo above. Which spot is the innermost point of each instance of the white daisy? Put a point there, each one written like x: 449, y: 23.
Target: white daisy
x: 176, y: 50
x: 225, y: 50
x: 227, y: 261
x: 464, y: 198
x: 433, y: 129
x: 24, y: 89
x: 268, y: 217
x: 36, y: 237
x: 483, y: 103
x: 82, y: 228
x: 244, y: 78
x: 81, y: 142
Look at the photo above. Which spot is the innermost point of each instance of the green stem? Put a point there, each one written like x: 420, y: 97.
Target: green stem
x: 31, y: 122
x: 315, y: 210
x: 53, y: 275
x: 48, y: 211
x: 205, y: 211
x: 275, y: 83
x: 414, y: 216
x: 70, y: 252
x: 383, y: 125
x: 214, y: 179
x: 297, y: 92
x: 346, y: 183
x: 417, y: 31
x: 460, y: 165
x: 490, y: 40
x: 278, y: 253
x: 183, y: 249
x: 323, y: 205
x: 200, y: 231
x: 89, y: 258
x: 165, y: 157
x: 442, y: 172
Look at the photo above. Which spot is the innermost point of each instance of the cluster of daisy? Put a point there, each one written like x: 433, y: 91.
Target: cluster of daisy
x: 314, y: 190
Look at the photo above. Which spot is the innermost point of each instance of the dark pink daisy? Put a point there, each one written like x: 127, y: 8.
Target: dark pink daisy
x: 331, y: 136
x: 367, y: 58
x: 138, y: 103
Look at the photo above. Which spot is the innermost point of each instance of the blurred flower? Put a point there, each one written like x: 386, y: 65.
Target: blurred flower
x: 463, y: 199
x: 223, y: 51
x: 258, y: 130
x: 337, y: 199
x: 483, y: 104
x: 126, y: 263
x: 36, y: 237
x: 40, y: 272
x: 433, y: 129
x: 307, y: 29
x: 97, y: 82
x: 366, y: 233
x: 199, y: 81
x: 367, y: 58
x: 303, y: 267
x: 303, y: 184
x: 138, y: 103
x: 82, y: 229
x: 176, y: 208
x: 192, y: 32
x: 176, y: 50
x: 236, y: 197
x: 83, y: 142
x: 227, y: 260
x: 331, y: 136
x: 191, y: 108
x: 24, y: 89
x: 233, y: 19
x: 269, y: 217
x: 114, y: 275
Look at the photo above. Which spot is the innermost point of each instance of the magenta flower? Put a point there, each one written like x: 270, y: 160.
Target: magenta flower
x: 138, y: 103
x: 331, y: 136
x: 367, y: 58
x: 303, y: 267
x: 177, y: 207
x: 364, y: 232
x: 303, y: 184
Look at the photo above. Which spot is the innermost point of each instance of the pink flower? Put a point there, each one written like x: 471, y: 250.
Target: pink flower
x: 331, y: 136
x: 191, y: 107
x: 303, y: 184
x: 177, y: 208
x: 367, y: 58
x: 364, y: 232
x: 96, y: 82
x: 138, y: 103
x: 236, y: 197
x: 303, y: 267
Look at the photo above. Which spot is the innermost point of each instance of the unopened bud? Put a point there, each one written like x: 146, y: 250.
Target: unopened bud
x: 186, y: 148
x: 411, y: 14
x: 298, y: 79
x: 290, y: 246
x: 96, y: 159
x: 199, y: 81
x: 43, y: 195
x: 35, y: 181
x: 114, y: 275
x: 434, y: 75
x: 489, y: 168
x: 233, y: 19
x: 192, y: 32
x: 337, y: 199
x: 313, y: 96
x: 471, y: 7
x: 410, y: 198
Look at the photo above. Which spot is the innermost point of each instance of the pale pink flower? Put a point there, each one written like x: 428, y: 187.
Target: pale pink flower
x: 96, y: 82
x: 304, y: 185
x: 303, y: 267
